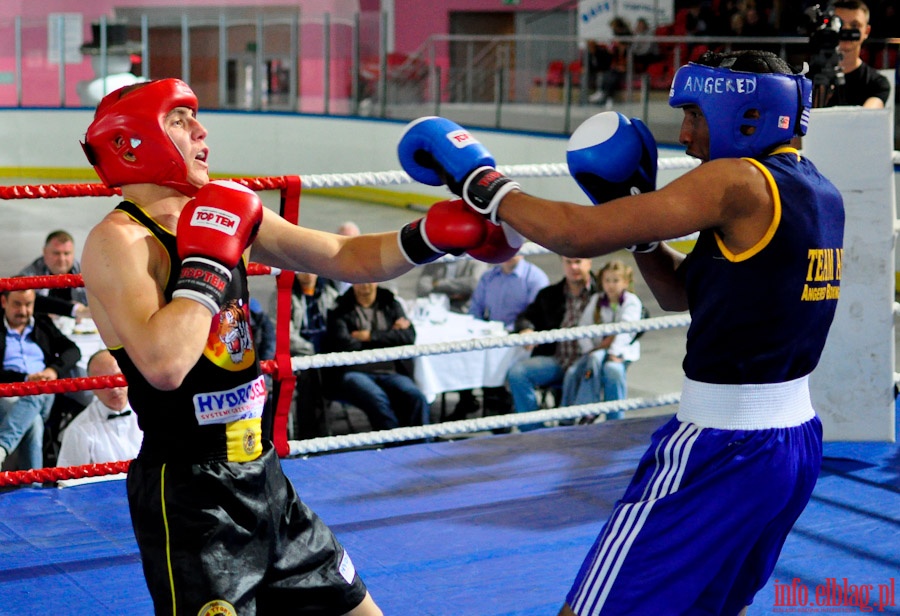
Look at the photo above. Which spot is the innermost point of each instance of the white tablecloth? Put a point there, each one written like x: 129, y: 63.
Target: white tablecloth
x: 436, y: 374
x: 88, y: 343
x: 83, y: 334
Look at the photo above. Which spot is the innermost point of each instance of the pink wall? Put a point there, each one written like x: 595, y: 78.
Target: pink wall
x: 93, y: 9
x: 40, y: 78
x: 30, y: 8
x: 415, y: 20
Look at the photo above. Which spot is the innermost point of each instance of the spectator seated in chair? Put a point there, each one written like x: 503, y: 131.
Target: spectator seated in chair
x: 311, y: 299
x: 370, y: 317
x: 58, y: 258
x: 599, y: 375
x: 501, y: 294
x: 33, y: 349
x: 556, y: 306
x: 107, y: 430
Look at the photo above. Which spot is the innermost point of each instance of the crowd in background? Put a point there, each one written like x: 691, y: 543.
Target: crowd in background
x: 769, y: 17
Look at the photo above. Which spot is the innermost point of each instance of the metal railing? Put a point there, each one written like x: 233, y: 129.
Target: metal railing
x: 278, y: 59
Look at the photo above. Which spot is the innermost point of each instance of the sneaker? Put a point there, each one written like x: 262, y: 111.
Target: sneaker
x: 597, y: 97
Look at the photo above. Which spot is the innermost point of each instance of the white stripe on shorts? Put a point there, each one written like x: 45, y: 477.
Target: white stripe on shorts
x: 627, y: 520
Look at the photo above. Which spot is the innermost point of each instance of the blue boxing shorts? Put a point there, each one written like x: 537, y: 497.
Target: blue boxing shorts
x: 707, y: 512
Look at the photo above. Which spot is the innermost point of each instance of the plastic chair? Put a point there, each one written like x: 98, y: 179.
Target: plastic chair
x: 556, y: 71
x: 575, y: 69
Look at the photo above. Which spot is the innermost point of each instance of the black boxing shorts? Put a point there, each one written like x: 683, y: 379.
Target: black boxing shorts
x: 234, y: 538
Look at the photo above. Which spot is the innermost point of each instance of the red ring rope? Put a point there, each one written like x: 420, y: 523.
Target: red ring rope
x: 45, y: 475
x: 55, y: 191
x: 64, y: 386
x: 93, y: 189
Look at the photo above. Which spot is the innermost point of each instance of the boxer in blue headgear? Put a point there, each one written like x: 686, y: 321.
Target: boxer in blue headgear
x: 702, y: 523
x: 747, y: 111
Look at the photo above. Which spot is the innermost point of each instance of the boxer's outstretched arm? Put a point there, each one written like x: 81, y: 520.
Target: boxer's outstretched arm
x: 372, y: 257
x: 731, y: 196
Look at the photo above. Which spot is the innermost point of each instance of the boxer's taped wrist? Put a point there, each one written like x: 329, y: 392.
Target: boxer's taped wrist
x: 485, y: 188
x: 204, y: 281
x: 414, y: 244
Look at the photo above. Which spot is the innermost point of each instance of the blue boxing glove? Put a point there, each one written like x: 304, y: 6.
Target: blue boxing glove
x: 437, y: 151
x: 610, y: 156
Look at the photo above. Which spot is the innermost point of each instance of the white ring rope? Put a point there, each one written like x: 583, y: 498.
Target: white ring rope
x: 351, y: 358
x: 396, y: 178
x: 387, y: 178
x: 363, y: 439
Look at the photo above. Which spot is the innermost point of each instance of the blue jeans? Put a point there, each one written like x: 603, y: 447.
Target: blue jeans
x: 614, y: 383
x: 593, y: 379
x: 388, y: 400
x: 531, y: 372
x: 22, y: 426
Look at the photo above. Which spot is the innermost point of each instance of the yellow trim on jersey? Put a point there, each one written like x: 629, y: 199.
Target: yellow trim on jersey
x: 153, y: 235
x: 243, y: 439
x: 162, y: 500
x: 773, y: 226
x: 135, y: 204
x: 786, y: 149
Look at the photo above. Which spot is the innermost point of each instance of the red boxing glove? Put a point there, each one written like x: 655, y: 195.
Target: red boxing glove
x: 214, y: 229
x: 501, y: 244
x: 449, y: 226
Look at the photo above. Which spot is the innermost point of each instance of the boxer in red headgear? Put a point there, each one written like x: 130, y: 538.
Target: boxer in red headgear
x: 217, y: 522
x: 127, y: 142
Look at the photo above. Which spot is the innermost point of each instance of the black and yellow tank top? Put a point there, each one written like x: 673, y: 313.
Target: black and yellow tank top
x: 215, y: 415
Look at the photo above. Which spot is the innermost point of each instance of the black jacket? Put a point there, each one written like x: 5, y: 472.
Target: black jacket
x: 547, y: 312
x: 343, y: 319
x: 59, y: 351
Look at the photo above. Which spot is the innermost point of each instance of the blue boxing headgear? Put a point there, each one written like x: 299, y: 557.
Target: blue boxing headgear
x: 747, y: 113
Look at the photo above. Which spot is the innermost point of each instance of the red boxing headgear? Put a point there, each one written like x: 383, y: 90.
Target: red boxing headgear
x: 127, y: 142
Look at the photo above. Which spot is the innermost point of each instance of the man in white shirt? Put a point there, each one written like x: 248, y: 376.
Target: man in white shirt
x: 107, y: 430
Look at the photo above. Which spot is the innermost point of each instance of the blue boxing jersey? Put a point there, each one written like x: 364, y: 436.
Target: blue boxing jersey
x: 780, y: 295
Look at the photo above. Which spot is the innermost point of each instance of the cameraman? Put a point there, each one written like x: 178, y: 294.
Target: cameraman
x: 863, y: 86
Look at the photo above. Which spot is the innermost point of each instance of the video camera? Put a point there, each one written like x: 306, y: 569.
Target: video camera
x: 825, y: 36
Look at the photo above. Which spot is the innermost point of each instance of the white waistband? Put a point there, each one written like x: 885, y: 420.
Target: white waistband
x: 746, y: 407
